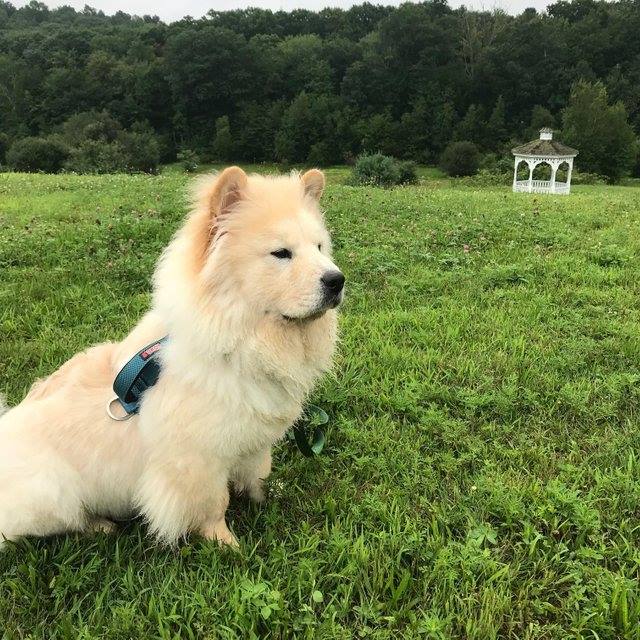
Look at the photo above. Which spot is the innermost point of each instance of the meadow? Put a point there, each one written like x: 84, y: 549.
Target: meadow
x: 482, y: 471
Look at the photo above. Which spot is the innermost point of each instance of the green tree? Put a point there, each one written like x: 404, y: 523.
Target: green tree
x: 380, y: 133
x: 292, y: 140
x: 375, y: 77
x: 541, y: 117
x: 472, y: 126
x: 460, y: 158
x: 303, y: 66
x: 599, y: 131
x: 496, y: 130
x: 222, y: 148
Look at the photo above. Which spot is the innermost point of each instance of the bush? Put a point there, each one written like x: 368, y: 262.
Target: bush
x: 460, y: 159
x: 89, y: 125
x: 383, y: 171
x: 141, y: 149
x: 97, y: 156
x: 189, y: 160
x: 37, y: 154
x: 408, y: 172
x: 99, y: 144
x: 501, y: 164
x: 485, y: 178
x: 580, y: 177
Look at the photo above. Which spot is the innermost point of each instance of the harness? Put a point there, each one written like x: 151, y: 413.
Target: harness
x: 143, y: 371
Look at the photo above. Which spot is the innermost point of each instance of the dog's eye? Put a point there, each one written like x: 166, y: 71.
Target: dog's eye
x: 283, y: 254
x: 320, y: 247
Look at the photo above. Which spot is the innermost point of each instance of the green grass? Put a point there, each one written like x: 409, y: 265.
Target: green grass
x: 482, y: 473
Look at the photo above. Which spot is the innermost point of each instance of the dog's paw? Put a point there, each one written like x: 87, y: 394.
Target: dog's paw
x: 256, y: 492
x: 101, y: 525
x: 219, y: 532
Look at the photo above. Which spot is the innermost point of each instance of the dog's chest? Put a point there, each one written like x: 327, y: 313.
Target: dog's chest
x: 238, y: 412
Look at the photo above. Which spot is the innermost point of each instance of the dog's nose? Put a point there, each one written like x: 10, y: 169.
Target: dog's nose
x: 333, y: 281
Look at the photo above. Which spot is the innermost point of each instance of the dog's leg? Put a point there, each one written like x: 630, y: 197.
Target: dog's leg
x: 39, y: 497
x: 183, y: 494
x: 251, y: 473
x: 217, y: 529
x: 215, y: 526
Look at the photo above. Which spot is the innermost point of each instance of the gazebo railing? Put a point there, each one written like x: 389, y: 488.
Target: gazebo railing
x: 541, y: 186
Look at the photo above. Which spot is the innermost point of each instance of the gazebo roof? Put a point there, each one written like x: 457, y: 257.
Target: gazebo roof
x: 545, y: 146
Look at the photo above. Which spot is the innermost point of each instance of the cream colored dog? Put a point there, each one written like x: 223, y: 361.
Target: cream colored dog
x: 247, y: 293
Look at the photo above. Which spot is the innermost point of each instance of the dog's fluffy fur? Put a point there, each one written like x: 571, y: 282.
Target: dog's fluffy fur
x: 250, y: 334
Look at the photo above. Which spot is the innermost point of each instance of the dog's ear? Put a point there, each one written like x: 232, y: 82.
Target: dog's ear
x: 313, y: 182
x: 214, y: 198
x: 226, y: 192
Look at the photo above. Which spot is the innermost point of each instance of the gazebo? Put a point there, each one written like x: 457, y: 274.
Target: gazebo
x: 546, y: 150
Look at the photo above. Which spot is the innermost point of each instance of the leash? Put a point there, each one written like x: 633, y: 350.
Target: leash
x: 143, y: 371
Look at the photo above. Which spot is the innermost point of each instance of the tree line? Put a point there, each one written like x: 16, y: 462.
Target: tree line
x: 321, y: 87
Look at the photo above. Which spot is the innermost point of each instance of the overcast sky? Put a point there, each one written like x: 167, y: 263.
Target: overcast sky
x: 172, y: 10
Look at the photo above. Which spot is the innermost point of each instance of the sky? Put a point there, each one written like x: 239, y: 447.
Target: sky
x: 170, y: 10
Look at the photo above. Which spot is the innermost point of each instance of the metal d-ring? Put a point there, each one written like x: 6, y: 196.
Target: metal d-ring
x: 111, y: 414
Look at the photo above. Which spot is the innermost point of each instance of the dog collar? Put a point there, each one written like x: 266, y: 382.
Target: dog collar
x: 143, y: 371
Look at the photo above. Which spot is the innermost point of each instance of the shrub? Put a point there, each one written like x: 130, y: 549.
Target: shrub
x: 460, y: 159
x: 90, y: 125
x: 37, y: 154
x: 408, y: 172
x: 383, y: 171
x: 580, y: 177
x: 498, y: 164
x: 100, y: 145
x: 141, y: 149
x: 97, y: 156
x: 189, y: 160
x: 484, y: 178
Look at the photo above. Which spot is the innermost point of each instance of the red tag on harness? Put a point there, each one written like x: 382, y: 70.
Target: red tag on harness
x: 149, y: 351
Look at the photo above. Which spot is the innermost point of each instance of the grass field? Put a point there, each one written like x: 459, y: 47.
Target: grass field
x: 482, y: 474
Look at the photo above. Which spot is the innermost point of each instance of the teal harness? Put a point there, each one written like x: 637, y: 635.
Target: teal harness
x: 143, y: 371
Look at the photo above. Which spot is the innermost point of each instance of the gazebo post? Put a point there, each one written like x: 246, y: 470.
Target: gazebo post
x: 554, y: 170
x: 531, y: 167
x: 515, y: 174
x: 569, y: 175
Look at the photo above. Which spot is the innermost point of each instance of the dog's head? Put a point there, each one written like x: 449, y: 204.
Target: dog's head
x: 262, y: 240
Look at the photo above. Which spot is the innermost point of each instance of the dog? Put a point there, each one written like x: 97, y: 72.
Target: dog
x: 247, y: 293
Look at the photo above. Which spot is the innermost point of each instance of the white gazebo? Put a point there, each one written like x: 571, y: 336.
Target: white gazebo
x: 546, y: 150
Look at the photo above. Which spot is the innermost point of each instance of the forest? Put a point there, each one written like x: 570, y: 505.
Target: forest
x: 309, y: 87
